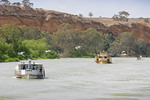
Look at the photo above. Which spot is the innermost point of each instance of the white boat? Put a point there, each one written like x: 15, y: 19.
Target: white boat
x: 139, y: 57
x: 29, y: 70
x: 123, y: 54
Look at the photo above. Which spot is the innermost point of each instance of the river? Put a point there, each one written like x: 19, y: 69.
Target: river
x: 80, y: 79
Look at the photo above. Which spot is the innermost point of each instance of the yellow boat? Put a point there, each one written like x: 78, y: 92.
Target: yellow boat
x: 103, y: 58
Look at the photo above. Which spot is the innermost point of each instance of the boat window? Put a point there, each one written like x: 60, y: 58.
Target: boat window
x: 105, y: 57
x: 26, y: 66
x: 39, y: 66
x: 30, y: 66
x: 33, y: 68
x: 100, y: 56
x: 23, y: 67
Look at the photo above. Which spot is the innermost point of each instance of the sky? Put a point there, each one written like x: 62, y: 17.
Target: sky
x: 103, y: 8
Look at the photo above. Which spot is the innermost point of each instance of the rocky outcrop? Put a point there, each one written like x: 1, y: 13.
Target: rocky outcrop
x: 139, y: 30
x: 50, y: 21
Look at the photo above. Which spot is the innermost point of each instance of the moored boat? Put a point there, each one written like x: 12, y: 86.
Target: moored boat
x: 123, y: 54
x: 139, y: 57
x: 29, y: 70
x: 103, y: 58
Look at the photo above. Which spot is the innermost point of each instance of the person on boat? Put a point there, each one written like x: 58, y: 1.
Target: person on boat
x: 41, y: 70
x: 29, y: 61
x: 24, y: 67
x: 33, y: 68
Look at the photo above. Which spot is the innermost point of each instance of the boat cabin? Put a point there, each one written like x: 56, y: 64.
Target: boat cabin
x: 103, y: 57
x: 29, y: 70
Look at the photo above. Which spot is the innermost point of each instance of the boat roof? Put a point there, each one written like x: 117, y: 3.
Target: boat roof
x: 103, y: 53
x: 30, y: 64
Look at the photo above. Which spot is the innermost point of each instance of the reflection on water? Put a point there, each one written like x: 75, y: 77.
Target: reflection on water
x: 80, y: 79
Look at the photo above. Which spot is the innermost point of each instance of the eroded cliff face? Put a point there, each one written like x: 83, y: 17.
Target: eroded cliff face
x: 51, y: 20
x: 139, y: 30
x: 44, y: 19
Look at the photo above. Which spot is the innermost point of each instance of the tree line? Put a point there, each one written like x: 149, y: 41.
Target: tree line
x: 25, y: 3
x: 92, y: 42
x: 122, y: 16
x: 23, y: 42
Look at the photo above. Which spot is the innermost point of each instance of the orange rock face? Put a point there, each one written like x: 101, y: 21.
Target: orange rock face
x: 139, y: 30
x: 51, y: 20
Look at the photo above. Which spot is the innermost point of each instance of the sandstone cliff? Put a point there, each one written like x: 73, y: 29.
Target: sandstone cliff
x: 51, y: 20
x: 139, y: 30
x: 44, y: 19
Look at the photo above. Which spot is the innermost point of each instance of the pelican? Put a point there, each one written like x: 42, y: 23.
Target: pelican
x: 21, y: 53
x: 78, y: 47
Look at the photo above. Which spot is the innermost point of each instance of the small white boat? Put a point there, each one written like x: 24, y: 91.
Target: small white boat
x: 139, y: 57
x: 123, y: 54
x: 29, y: 71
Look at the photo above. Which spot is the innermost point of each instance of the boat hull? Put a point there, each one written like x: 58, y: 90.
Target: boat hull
x: 103, y: 60
x: 30, y: 76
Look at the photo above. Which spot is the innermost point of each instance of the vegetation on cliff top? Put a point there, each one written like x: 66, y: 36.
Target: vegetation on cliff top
x: 25, y: 3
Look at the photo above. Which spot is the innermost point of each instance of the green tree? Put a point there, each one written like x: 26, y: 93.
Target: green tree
x: 124, y: 13
x: 16, y: 4
x: 7, y: 52
x: 123, y: 16
x: 3, y: 50
x: 92, y: 40
x: 10, y: 33
x: 108, y: 38
x: 115, y: 48
x: 37, y: 48
x: 65, y: 38
x: 26, y: 3
x: 127, y: 41
x: 140, y: 46
x: 5, y: 2
x: 80, y: 15
x: 90, y: 14
x: 148, y: 49
x: 146, y: 20
x: 30, y: 33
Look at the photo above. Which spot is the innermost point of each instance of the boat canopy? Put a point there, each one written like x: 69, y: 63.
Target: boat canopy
x: 30, y: 66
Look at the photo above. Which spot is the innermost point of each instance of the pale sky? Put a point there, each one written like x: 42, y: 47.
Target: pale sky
x: 104, y: 8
